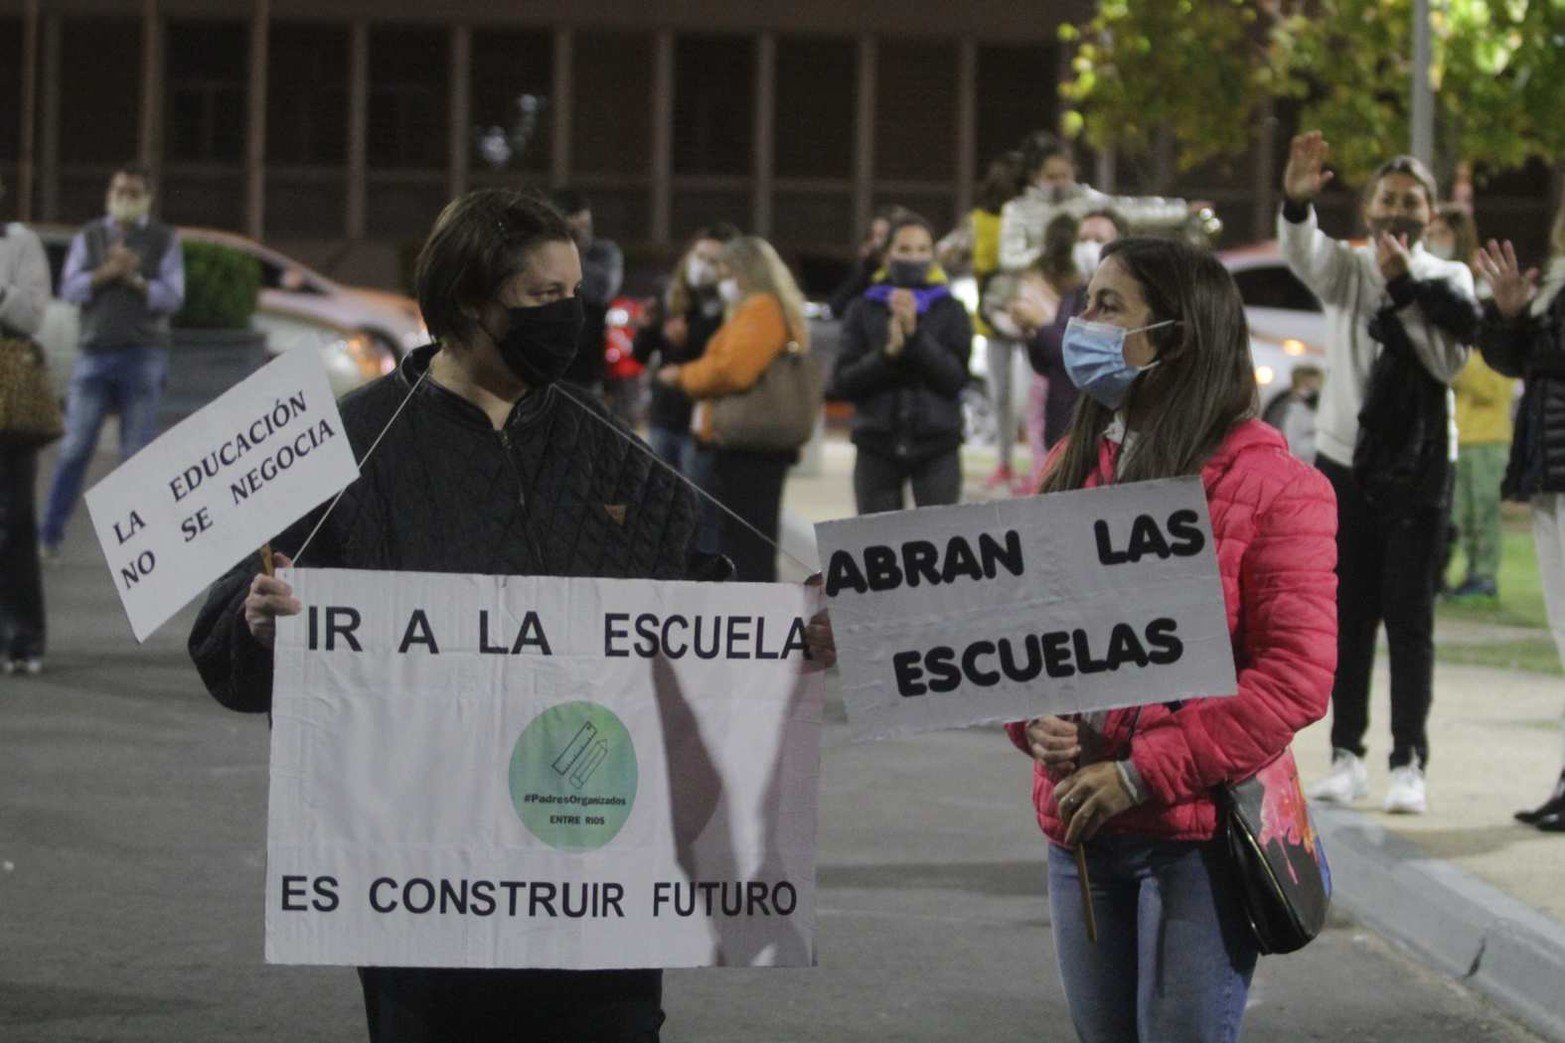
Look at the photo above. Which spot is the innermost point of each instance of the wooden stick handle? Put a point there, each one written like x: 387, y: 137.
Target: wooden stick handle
x: 1086, y: 894
x: 267, y: 568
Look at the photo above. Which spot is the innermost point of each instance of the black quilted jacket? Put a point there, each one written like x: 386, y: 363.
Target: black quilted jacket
x: 559, y: 492
x: 1402, y: 460
x: 1533, y: 348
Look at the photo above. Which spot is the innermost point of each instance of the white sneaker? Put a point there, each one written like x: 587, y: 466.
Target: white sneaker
x: 1406, y: 795
x: 1347, y: 782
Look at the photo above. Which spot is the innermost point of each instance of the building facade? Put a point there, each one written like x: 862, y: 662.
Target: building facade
x: 338, y: 128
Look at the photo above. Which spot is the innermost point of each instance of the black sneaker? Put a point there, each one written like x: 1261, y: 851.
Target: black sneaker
x: 1555, y: 805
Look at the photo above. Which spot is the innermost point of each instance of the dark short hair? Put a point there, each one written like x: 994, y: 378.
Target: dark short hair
x: 1414, y: 168
x: 1039, y: 148
x: 569, y: 201
x: 479, y: 241
x: 1113, y: 217
x: 136, y: 169
x: 908, y: 219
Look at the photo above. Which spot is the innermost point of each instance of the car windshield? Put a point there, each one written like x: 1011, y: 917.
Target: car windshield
x: 1274, y: 286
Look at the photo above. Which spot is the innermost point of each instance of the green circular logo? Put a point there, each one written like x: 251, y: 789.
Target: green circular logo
x: 573, y: 776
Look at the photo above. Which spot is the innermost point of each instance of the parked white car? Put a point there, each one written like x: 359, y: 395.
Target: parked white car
x: 1287, y: 323
x: 361, y: 333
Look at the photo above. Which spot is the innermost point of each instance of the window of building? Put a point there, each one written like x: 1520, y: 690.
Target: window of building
x: 307, y: 94
x: 938, y: 208
x: 206, y: 75
x: 409, y: 69
x: 1017, y: 94
x: 509, y: 65
x: 11, y: 88
x: 109, y: 100
x: 915, y: 111
x: 714, y: 104
x: 817, y: 98
x: 611, y: 89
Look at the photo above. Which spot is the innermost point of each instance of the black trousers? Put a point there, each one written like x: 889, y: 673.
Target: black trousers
x: 751, y: 485
x: 1385, y: 573
x: 417, y: 1005
x: 878, y: 480
x: 21, y: 583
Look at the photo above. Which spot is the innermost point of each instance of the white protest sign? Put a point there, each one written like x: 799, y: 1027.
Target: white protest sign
x: 218, y: 485
x: 952, y: 616
x: 480, y: 771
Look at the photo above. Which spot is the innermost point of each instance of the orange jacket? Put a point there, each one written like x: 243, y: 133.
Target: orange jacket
x: 737, y: 355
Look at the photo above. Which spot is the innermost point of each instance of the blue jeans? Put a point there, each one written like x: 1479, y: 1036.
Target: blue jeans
x: 709, y: 520
x: 128, y: 382
x: 675, y: 448
x: 1173, y: 959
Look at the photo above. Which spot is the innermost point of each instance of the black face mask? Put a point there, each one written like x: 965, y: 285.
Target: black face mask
x: 540, y: 342
x: 1399, y: 226
x: 908, y: 273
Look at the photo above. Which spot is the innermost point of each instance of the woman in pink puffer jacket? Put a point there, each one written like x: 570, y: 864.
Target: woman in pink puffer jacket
x: 1163, y: 358
x: 1162, y: 355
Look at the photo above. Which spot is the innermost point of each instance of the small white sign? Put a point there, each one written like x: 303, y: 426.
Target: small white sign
x: 947, y: 617
x: 218, y: 485
x: 489, y: 771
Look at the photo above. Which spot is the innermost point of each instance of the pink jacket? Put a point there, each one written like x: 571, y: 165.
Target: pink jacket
x: 1275, y: 520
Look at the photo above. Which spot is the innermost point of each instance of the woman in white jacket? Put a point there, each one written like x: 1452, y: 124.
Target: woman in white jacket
x: 1049, y: 169
x: 1386, y: 547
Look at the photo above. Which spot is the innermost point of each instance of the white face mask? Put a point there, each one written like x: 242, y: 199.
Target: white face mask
x: 1087, y: 253
x: 729, y: 290
x: 699, y: 272
x: 129, y: 212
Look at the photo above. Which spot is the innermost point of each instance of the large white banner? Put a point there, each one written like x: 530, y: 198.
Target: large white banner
x: 481, y: 771
x: 952, y: 616
x: 218, y: 485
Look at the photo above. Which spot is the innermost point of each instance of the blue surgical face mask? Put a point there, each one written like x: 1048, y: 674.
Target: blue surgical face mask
x: 1095, y: 359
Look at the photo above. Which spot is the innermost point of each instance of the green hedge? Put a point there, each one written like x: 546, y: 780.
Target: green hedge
x: 221, y: 288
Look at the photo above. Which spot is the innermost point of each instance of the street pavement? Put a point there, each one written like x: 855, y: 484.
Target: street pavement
x: 132, y: 849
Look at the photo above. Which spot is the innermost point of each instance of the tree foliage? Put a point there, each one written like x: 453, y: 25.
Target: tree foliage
x: 1209, y: 68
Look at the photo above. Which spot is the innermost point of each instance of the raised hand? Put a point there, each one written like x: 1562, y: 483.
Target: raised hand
x: 1512, y: 288
x: 1306, y: 173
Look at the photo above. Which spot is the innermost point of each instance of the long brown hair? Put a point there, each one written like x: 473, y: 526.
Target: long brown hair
x: 1057, y: 260
x: 1203, y: 386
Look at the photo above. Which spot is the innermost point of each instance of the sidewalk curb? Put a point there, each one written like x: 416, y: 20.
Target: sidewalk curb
x: 1460, y: 925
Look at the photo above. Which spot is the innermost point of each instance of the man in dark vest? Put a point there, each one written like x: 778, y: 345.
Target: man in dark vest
x: 127, y: 272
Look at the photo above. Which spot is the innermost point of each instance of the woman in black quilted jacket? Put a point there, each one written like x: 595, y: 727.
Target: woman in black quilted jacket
x: 1523, y: 335
x: 905, y: 346
x: 486, y: 466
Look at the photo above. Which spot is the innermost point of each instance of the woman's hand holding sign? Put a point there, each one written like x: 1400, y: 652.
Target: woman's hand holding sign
x: 269, y: 598
x: 1055, y: 743
x: 819, y: 640
x: 1091, y: 797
